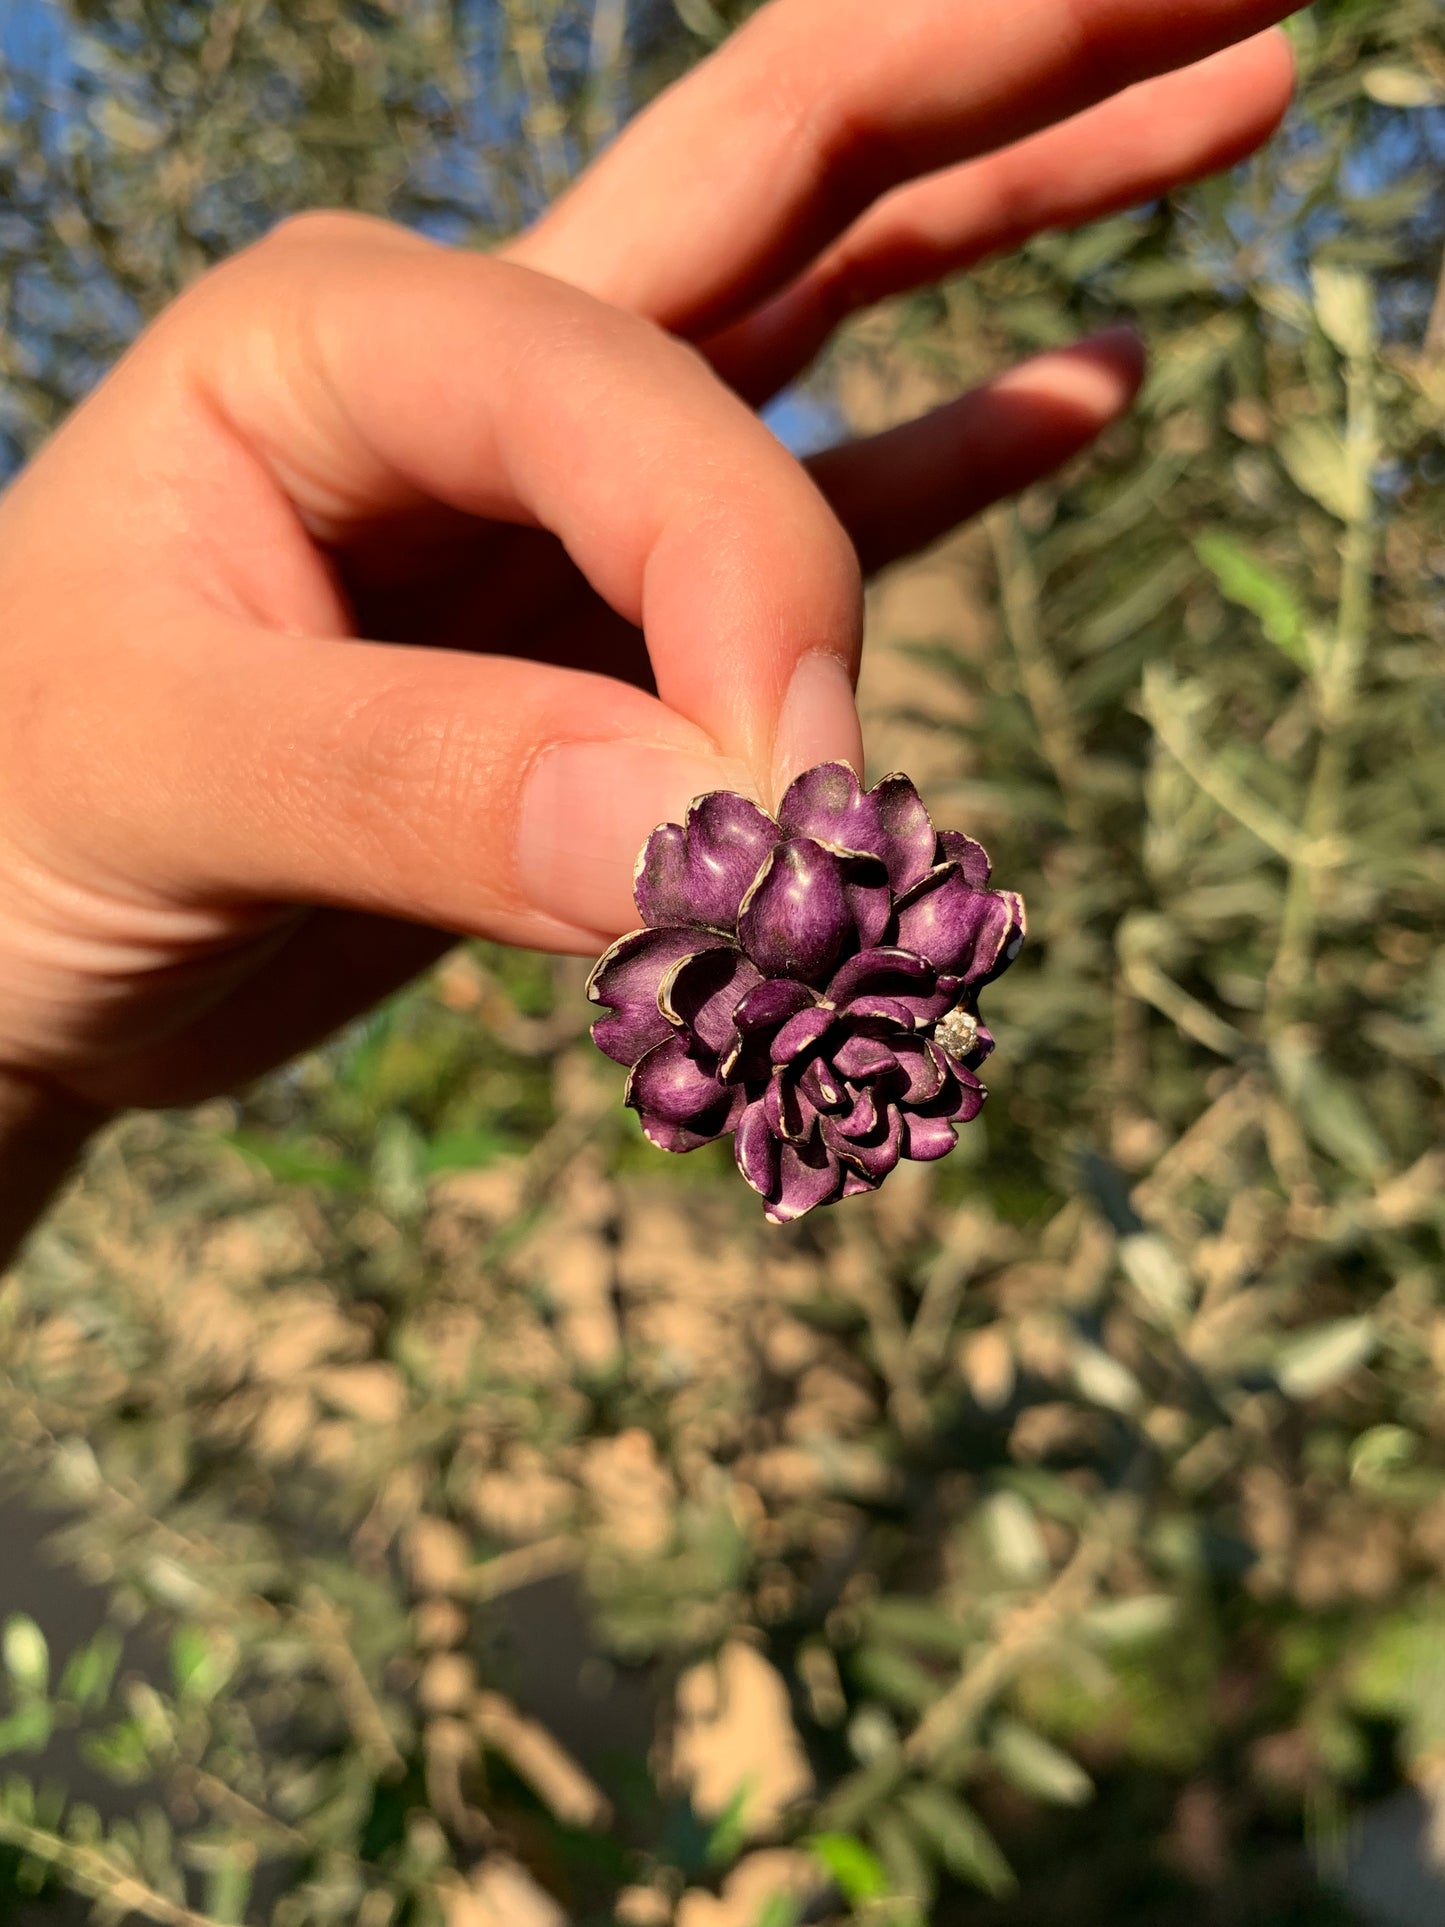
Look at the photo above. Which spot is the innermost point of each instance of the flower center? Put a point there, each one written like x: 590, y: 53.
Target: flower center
x: 957, y: 1033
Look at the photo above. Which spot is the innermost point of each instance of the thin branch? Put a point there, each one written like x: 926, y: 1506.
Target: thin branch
x: 604, y: 66
x: 1276, y: 832
x: 962, y: 1254
x: 1043, y: 686
x: 523, y: 1566
x: 28, y: 1430
x: 1336, y: 684
x: 1022, y: 1633
x: 1434, y: 344
x: 358, y: 1702
x: 543, y: 117
x: 224, y: 1799
x: 1192, y: 1156
x: 869, y: 1286
x: 95, y: 1873
x: 543, y: 1762
x: 1153, y: 986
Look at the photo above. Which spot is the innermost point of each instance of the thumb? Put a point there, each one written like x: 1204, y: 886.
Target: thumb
x: 250, y: 751
x: 484, y: 795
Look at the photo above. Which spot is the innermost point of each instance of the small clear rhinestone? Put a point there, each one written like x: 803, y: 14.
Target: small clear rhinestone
x: 957, y: 1033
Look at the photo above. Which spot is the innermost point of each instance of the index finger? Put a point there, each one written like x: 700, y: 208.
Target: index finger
x: 378, y: 372
x: 337, y: 376
x: 768, y: 150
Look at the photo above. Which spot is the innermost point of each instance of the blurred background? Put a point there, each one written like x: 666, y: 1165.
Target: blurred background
x: 425, y: 1504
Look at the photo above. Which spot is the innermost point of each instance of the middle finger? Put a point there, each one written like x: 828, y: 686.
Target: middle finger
x: 1133, y: 148
x: 740, y: 174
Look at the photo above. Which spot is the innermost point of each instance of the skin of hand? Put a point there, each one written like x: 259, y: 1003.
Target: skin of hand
x: 385, y: 592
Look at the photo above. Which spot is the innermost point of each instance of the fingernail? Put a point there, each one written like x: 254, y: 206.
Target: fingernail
x: 1122, y: 333
x: 587, y: 810
x: 818, y: 722
x: 1103, y: 370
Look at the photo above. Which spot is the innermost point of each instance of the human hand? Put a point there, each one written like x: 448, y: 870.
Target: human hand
x: 322, y: 621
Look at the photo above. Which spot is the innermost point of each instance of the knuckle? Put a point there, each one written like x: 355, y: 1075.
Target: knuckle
x: 296, y: 240
x: 323, y: 227
x: 412, y: 763
x: 1097, y: 56
x: 314, y: 236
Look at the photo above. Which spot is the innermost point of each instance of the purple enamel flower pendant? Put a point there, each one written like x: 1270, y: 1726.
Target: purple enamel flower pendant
x: 808, y: 984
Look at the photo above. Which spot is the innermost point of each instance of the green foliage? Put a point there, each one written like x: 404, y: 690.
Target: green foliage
x: 1245, y: 580
x: 427, y: 1428
x: 857, y: 1872
x: 26, y: 1655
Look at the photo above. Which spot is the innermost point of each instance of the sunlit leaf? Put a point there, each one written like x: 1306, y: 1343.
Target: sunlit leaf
x: 911, y: 1868
x: 1013, y: 1536
x: 1105, y: 1380
x: 1131, y: 1622
x: 1322, y: 467
x: 1402, y: 87
x: 1345, y: 304
x: 1320, y: 1359
x: 27, y: 1729
x: 1245, y: 579
x: 852, y: 1865
x: 964, y: 1843
x: 1037, y: 1766
x: 25, y: 1653
x: 86, y: 1679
